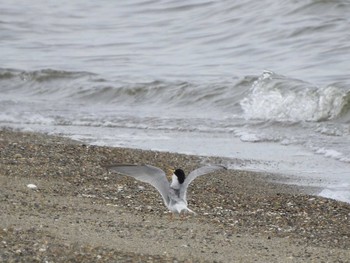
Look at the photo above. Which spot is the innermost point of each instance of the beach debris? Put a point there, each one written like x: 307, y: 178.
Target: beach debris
x: 120, y: 188
x: 32, y: 186
x: 89, y: 195
x: 141, y: 187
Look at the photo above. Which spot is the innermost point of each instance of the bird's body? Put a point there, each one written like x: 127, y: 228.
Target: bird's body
x: 174, y: 193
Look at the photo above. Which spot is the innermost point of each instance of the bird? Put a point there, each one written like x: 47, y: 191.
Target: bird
x: 174, y: 193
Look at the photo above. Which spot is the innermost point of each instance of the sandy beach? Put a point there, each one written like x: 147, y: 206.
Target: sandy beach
x: 79, y: 212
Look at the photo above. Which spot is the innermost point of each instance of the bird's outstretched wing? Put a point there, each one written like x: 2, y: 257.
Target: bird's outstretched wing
x: 195, y: 173
x: 145, y: 173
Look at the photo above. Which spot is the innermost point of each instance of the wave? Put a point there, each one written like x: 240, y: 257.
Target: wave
x: 274, y: 97
x: 46, y: 83
x: 39, y: 75
x: 269, y: 97
x: 90, y: 88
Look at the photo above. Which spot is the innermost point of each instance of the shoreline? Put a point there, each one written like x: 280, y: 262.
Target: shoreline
x: 81, y: 212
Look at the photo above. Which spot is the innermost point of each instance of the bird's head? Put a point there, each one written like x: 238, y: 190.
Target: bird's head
x: 180, y: 174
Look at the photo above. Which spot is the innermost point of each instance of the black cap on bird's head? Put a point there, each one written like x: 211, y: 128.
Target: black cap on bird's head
x: 180, y: 174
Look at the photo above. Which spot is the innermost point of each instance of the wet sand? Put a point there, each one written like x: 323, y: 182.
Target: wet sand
x: 80, y: 212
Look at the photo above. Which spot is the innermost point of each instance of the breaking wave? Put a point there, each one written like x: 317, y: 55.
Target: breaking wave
x: 269, y: 97
x: 278, y: 98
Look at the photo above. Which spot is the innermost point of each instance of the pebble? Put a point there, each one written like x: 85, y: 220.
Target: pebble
x: 18, y: 156
x: 32, y: 186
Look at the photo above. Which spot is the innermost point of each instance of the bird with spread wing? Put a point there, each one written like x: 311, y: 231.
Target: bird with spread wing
x: 174, y: 192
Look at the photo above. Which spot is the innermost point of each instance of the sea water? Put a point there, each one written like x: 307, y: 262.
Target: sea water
x: 266, y: 83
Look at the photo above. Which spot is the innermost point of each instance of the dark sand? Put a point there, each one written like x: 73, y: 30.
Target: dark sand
x: 82, y: 213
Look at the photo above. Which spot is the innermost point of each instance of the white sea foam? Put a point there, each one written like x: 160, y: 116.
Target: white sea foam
x: 7, y: 118
x: 330, y: 153
x: 26, y: 118
x: 250, y: 138
x: 274, y: 97
x: 339, y: 192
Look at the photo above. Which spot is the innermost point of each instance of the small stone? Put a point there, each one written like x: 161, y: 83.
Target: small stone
x: 32, y: 186
x: 42, y: 249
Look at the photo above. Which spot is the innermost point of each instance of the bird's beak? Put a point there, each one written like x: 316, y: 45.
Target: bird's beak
x: 170, y: 172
